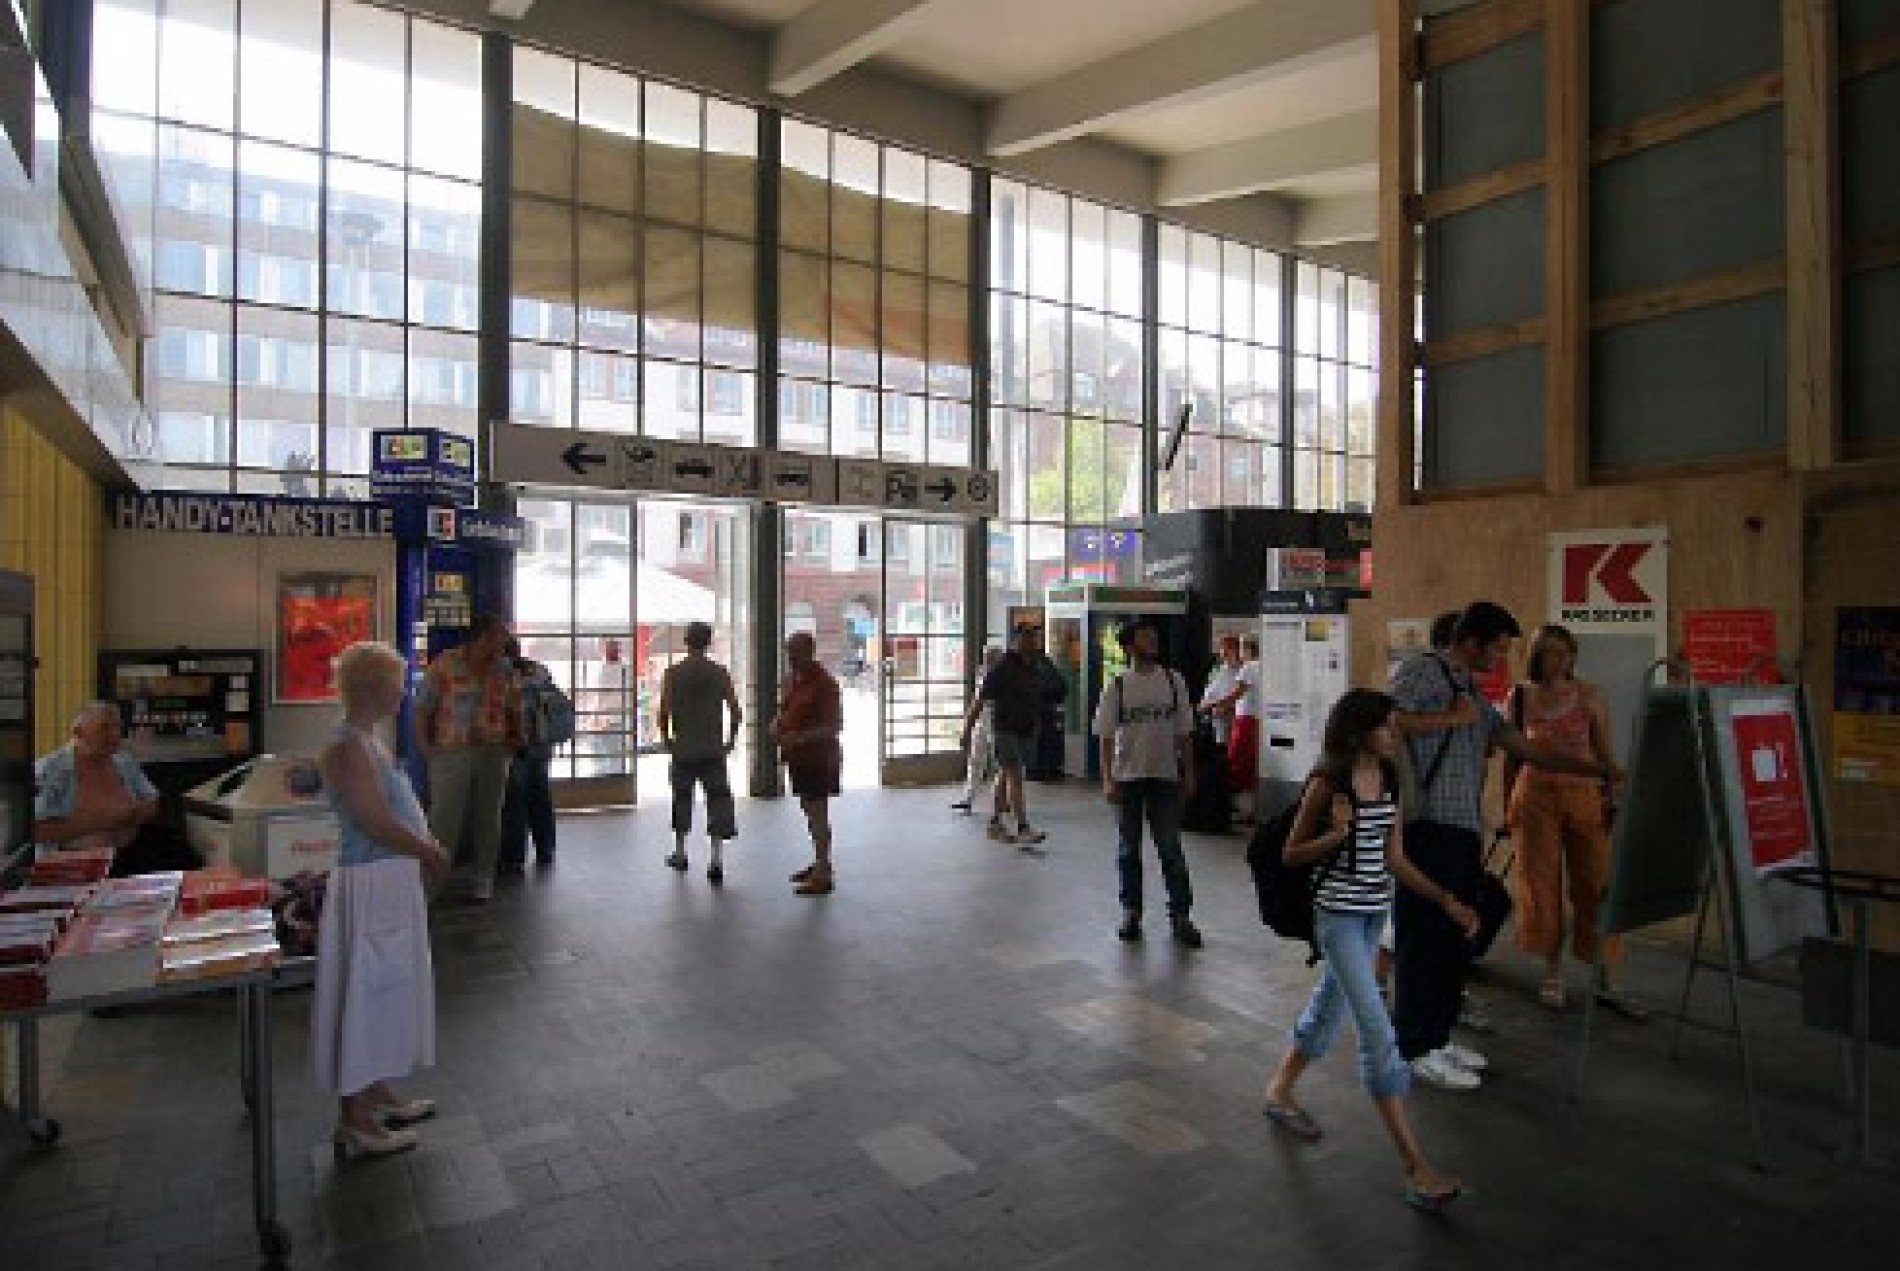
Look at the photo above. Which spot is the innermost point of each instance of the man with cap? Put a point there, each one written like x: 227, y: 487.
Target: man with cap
x: 1145, y: 720
x: 699, y: 719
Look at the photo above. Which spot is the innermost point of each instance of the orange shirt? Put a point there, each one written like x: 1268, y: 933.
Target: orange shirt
x: 469, y: 709
x: 811, y: 700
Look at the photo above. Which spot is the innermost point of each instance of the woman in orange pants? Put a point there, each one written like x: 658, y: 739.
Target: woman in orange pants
x: 1561, y: 823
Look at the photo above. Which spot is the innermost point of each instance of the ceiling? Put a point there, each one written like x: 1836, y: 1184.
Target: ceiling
x: 1225, y: 98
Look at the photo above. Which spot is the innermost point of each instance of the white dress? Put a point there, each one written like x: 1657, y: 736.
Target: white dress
x: 374, y: 1017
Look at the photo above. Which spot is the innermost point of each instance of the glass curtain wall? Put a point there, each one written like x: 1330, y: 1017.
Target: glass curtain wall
x: 1222, y: 359
x: 315, y: 223
x: 632, y: 310
x: 1066, y: 367
x: 874, y: 361
x: 1335, y: 368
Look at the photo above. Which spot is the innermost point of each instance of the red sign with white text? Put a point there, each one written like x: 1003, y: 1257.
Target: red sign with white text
x: 1726, y: 646
x: 1774, y: 797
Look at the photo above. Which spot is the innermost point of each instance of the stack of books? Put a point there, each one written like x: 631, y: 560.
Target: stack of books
x: 138, y: 892
x: 78, y: 865
x: 110, y: 950
x: 62, y: 900
x: 222, y: 887
x: 223, y: 942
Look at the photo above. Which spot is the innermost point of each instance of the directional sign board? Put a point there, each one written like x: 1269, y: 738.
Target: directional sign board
x: 738, y: 474
x: 861, y: 483
x: 795, y: 478
x: 688, y: 467
x: 613, y: 461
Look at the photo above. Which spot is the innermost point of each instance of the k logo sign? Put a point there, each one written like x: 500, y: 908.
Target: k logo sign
x: 1610, y: 580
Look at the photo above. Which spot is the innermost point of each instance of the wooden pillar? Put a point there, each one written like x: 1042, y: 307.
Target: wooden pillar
x: 1811, y: 111
x: 1566, y: 245
x: 1398, y: 246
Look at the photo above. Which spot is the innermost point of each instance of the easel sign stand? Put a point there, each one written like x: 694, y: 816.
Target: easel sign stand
x: 1722, y: 799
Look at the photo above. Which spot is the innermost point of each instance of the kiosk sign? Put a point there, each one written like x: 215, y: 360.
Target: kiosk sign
x: 1611, y: 581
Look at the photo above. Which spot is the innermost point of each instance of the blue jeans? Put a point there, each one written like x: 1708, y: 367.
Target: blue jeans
x: 1349, y: 943
x: 1160, y: 803
x: 528, y: 811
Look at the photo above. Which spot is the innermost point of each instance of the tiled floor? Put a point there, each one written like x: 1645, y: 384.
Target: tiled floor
x: 949, y: 1062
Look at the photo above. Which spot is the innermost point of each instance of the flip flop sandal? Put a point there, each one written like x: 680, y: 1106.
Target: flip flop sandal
x: 1432, y: 1202
x: 1294, y: 1120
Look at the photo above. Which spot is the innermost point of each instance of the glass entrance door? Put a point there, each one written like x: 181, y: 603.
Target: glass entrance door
x: 921, y: 653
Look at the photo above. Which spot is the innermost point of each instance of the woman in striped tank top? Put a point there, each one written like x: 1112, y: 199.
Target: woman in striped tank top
x: 1348, y: 823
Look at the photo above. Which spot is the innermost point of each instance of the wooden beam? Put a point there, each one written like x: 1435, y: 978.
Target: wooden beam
x: 1472, y: 31
x: 1810, y: 42
x: 1874, y: 253
x: 1567, y: 245
x: 1398, y: 247
x: 1480, y: 342
x: 1876, y: 54
x: 1448, y: 200
x: 1725, y: 287
x: 1733, y: 101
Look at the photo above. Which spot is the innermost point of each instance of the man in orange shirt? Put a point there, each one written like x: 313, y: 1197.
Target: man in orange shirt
x: 810, y: 717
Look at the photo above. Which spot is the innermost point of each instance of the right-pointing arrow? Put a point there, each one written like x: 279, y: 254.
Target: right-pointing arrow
x: 944, y: 488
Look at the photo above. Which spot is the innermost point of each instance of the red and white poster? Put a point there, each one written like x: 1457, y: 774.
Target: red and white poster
x: 1774, y: 795
x: 1729, y: 646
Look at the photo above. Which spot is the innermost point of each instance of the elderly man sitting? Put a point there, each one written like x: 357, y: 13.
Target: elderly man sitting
x: 91, y: 793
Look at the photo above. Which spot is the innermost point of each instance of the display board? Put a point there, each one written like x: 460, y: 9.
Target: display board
x: 1728, y: 775
x: 185, y: 705
x: 1661, y: 847
x: 1768, y: 772
x: 1305, y: 661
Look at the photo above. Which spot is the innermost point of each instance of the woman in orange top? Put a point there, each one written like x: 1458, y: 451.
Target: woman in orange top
x: 1561, y: 822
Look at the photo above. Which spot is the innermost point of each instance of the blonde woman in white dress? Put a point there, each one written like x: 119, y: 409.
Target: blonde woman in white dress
x: 374, y: 1020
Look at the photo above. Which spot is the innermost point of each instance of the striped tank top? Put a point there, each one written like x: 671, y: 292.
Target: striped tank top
x: 1355, y: 879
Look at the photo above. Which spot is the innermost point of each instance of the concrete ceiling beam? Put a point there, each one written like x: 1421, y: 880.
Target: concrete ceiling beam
x: 1345, y: 218
x: 1243, y: 48
x: 1269, y: 161
x: 833, y: 36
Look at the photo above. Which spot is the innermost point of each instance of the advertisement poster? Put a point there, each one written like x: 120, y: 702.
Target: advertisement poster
x: 1867, y: 695
x: 1728, y: 646
x: 319, y: 616
x: 1611, y: 589
x: 1774, y: 798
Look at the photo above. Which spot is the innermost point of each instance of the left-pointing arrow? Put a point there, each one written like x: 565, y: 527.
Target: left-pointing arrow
x: 579, y: 458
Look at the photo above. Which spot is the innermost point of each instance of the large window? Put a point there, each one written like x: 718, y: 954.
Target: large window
x: 315, y: 228
x: 1223, y: 362
x: 1335, y: 369
x: 1066, y: 385
x: 633, y: 233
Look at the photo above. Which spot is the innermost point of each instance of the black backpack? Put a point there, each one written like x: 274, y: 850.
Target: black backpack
x: 1286, y: 892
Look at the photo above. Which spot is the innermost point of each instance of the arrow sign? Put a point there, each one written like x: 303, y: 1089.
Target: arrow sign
x: 579, y: 458
x: 944, y: 488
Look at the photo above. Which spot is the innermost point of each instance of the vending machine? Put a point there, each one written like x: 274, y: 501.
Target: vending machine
x: 453, y: 560
x: 1082, y: 621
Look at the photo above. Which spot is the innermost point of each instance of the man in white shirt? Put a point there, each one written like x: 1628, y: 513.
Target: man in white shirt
x: 1145, y: 721
x: 1218, y: 699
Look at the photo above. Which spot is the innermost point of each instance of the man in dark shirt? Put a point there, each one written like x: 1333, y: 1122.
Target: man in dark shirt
x: 1013, y: 690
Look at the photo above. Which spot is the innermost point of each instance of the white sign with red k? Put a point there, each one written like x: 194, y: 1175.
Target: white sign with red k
x: 1611, y: 582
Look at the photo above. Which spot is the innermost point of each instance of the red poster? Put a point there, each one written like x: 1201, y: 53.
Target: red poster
x: 1496, y: 683
x: 1775, y: 801
x: 319, y: 616
x: 1724, y: 645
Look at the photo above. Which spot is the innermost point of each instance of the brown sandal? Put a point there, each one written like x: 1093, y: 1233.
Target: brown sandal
x: 816, y: 882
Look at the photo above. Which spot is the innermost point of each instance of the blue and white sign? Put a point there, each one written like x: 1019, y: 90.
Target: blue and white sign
x: 423, y: 463
x: 249, y: 516
x: 461, y: 527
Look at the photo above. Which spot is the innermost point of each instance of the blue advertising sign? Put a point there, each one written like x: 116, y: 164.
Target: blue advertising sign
x: 1102, y: 544
x: 423, y: 463
x: 463, y: 527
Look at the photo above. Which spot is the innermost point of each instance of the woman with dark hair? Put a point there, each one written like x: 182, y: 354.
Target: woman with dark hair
x: 1348, y: 822
x: 1560, y: 821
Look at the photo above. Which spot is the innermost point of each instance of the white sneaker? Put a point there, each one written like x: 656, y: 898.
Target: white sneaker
x: 1465, y: 1057
x: 1440, y: 1073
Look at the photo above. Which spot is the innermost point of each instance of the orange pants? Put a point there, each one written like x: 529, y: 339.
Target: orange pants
x: 1560, y: 833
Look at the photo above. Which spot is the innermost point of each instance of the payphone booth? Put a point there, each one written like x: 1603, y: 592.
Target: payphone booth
x: 453, y: 561
x: 1082, y: 620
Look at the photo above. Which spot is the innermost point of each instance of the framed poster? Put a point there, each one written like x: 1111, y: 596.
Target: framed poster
x: 319, y: 616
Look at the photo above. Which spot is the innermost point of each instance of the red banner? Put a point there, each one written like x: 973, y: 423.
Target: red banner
x: 1723, y: 646
x: 1774, y: 796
